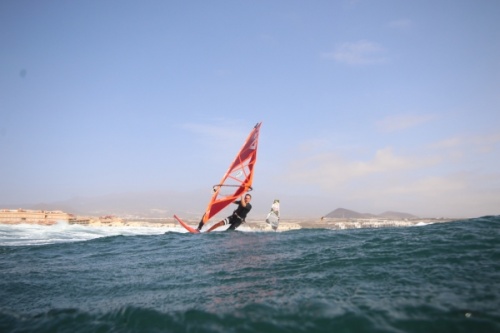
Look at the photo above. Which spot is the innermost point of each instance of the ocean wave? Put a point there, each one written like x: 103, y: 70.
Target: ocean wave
x: 32, y: 234
x: 439, y: 278
x: 306, y: 316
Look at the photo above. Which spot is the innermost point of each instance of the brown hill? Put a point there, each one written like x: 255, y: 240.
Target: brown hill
x: 350, y: 214
x: 397, y: 215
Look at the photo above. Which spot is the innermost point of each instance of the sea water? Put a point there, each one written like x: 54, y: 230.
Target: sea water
x: 442, y: 277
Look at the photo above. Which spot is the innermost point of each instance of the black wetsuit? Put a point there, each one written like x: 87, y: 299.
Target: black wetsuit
x: 238, y: 216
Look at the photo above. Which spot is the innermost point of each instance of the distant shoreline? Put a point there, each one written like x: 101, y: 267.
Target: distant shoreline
x: 252, y: 224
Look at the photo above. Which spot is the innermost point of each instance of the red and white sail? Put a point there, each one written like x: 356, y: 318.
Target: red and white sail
x: 238, y: 178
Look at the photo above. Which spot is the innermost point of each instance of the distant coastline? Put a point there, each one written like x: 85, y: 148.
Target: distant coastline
x: 42, y: 217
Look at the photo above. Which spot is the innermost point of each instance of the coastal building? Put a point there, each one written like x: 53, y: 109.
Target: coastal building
x: 50, y: 217
x: 46, y: 217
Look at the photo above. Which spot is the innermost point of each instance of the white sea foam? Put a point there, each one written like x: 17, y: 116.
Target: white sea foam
x: 421, y: 224
x: 32, y: 234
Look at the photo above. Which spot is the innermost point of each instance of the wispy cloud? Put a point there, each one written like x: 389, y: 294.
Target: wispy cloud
x: 313, y: 144
x: 401, y: 122
x: 223, y: 131
x: 401, y: 24
x: 486, y: 142
x: 227, y: 136
x: 447, y: 143
x: 454, y: 177
x: 362, y: 52
x: 330, y: 170
x: 483, y: 143
x: 434, y: 186
x: 455, y: 194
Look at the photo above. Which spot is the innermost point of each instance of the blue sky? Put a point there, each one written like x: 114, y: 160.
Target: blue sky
x: 366, y: 105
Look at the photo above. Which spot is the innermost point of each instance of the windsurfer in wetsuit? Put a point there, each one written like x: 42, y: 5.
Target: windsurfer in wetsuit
x: 238, y: 216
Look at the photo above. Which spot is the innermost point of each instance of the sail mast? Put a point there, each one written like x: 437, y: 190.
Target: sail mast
x: 238, y: 178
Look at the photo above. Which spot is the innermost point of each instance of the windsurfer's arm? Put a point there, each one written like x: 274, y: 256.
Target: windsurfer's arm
x: 243, y: 202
